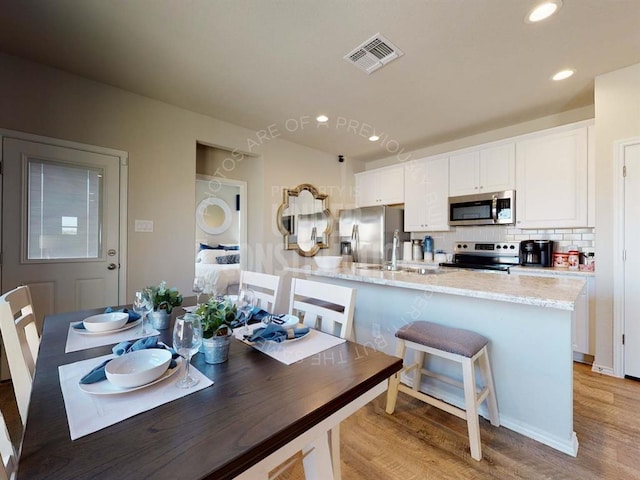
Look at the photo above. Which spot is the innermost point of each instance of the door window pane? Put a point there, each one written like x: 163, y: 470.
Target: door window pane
x: 64, y: 211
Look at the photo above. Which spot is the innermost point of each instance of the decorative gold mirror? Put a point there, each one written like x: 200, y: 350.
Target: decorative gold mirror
x: 304, y: 220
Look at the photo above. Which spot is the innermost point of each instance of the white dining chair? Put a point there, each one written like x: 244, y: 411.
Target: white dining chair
x: 8, y: 452
x: 265, y: 286
x: 323, y: 306
x: 21, y: 343
x: 329, y: 308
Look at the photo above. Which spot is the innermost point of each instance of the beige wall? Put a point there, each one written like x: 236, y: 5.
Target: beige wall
x: 617, y: 103
x: 161, y: 142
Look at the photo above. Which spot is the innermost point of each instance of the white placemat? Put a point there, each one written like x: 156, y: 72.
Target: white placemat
x: 88, y: 413
x: 81, y: 341
x: 292, y: 351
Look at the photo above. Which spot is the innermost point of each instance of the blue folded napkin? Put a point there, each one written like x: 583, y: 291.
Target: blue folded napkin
x: 255, y: 316
x: 98, y: 374
x: 276, y: 333
x: 133, y: 316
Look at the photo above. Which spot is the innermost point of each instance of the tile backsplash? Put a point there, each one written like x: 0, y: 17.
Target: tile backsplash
x: 563, y: 237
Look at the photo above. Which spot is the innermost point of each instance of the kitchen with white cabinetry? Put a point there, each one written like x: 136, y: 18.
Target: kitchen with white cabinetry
x: 482, y: 170
x: 382, y: 186
x: 551, y: 172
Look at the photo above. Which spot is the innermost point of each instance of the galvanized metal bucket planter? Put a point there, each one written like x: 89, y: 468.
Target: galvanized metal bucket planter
x: 216, y: 349
x: 160, y: 319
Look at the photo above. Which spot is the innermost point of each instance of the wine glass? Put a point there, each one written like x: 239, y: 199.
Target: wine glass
x: 142, y: 305
x: 187, y: 338
x: 198, y: 288
x: 245, y: 303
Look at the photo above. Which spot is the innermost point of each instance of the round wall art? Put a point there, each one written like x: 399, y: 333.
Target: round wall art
x: 213, y: 215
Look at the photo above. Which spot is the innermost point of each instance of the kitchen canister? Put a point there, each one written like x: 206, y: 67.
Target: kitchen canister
x: 417, y: 250
x: 573, y: 259
x: 560, y: 259
x: 406, y: 251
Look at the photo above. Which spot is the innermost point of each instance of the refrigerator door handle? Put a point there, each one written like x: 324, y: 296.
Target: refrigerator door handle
x: 354, y: 242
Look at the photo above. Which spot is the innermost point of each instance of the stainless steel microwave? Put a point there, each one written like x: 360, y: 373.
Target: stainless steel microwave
x: 496, y: 208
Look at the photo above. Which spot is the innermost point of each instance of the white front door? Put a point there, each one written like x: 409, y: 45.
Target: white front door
x: 61, y: 224
x: 631, y: 302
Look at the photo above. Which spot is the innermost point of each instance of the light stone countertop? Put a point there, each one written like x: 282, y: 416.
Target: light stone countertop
x: 552, y: 271
x: 550, y: 292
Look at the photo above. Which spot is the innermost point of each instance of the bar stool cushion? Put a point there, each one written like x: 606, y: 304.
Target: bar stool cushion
x: 448, y: 339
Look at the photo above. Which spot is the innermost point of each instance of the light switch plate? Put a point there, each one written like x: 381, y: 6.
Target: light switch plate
x: 144, y: 226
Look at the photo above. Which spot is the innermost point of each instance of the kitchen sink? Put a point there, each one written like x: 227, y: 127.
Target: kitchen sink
x: 418, y: 270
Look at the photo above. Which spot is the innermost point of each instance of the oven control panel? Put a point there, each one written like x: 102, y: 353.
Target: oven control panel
x: 487, y: 248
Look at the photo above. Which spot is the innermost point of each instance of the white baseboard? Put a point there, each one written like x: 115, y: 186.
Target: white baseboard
x: 604, y: 370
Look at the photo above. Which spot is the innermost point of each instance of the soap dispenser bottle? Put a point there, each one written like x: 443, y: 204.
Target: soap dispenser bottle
x: 427, y: 246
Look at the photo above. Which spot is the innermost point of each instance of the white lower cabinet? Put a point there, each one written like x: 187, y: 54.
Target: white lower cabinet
x: 584, y: 313
x: 426, y: 192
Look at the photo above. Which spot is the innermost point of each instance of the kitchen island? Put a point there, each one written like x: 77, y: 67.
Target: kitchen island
x: 528, y: 321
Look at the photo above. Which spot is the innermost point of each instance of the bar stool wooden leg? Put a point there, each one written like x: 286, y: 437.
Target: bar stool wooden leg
x: 487, y: 380
x: 471, y: 407
x: 418, y: 364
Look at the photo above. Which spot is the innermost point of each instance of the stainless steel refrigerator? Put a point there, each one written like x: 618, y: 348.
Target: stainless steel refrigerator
x: 367, y: 233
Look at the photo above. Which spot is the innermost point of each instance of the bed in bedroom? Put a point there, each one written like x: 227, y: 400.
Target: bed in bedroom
x: 220, y: 270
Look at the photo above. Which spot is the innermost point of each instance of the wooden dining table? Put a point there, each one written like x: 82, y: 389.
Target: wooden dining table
x: 258, y: 411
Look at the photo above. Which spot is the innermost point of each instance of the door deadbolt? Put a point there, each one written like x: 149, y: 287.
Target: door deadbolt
x: 111, y: 266
x: 111, y: 252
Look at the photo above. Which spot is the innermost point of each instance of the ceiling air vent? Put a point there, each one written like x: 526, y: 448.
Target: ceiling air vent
x: 373, y: 54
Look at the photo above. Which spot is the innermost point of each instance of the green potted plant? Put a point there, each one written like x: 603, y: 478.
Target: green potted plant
x: 217, y: 316
x: 164, y: 299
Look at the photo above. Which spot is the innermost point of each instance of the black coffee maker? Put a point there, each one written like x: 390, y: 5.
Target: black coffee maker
x: 536, y: 253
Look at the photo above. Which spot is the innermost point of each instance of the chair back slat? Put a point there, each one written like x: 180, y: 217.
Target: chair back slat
x: 265, y: 286
x: 323, y: 306
x: 21, y: 342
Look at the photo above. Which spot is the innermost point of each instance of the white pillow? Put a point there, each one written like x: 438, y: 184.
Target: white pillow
x: 210, y: 256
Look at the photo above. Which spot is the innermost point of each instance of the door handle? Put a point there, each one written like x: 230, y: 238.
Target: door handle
x: 111, y: 266
x: 355, y: 239
x: 494, y: 209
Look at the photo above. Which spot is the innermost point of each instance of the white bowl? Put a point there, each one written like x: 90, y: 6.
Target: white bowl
x: 105, y: 322
x: 328, y: 261
x: 138, y: 368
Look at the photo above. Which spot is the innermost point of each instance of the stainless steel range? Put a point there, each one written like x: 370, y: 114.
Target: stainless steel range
x: 485, y: 255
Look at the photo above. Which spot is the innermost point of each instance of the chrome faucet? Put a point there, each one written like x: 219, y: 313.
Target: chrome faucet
x: 394, y: 252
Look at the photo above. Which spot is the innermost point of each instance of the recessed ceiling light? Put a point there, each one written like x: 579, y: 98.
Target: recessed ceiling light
x: 543, y: 10
x: 374, y: 138
x: 563, y: 74
x: 322, y: 118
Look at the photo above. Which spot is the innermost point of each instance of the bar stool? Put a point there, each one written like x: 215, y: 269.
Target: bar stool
x: 461, y: 346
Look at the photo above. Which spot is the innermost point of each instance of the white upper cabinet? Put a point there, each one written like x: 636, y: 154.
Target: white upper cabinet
x: 382, y: 186
x: 489, y: 169
x: 426, y: 195
x: 551, y: 180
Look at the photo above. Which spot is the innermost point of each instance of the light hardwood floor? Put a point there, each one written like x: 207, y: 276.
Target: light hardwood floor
x: 422, y: 442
